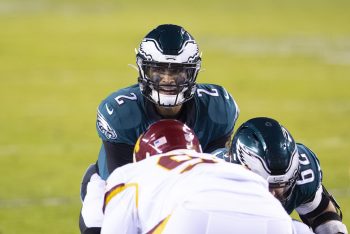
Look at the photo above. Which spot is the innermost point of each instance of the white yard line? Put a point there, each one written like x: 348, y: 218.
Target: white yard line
x: 50, y: 201
x: 329, y: 50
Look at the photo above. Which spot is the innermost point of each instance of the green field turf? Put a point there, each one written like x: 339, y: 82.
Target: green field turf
x: 289, y: 60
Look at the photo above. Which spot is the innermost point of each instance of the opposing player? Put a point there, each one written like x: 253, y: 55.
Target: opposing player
x: 292, y: 170
x: 168, y: 60
x: 174, y: 188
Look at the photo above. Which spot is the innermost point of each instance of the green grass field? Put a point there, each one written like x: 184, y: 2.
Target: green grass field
x: 289, y: 60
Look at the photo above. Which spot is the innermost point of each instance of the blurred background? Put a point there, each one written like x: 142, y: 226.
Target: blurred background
x: 287, y: 59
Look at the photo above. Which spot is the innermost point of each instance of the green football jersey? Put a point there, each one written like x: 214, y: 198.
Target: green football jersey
x: 125, y: 114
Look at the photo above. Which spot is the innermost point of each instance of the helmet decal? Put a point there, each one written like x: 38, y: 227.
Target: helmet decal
x: 286, y: 133
x: 151, y: 51
x: 159, y: 142
x: 249, y: 158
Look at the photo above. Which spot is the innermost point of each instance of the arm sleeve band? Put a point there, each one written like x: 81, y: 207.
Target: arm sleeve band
x: 94, y: 230
x: 319, y: 209
x: 325, y: 217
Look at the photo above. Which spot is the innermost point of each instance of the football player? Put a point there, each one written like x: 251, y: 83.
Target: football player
x: 168, y: 60
x: 292, y: 170
x: 175, y: 188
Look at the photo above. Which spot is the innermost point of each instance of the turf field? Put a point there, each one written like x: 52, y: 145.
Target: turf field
x: 289, y: 60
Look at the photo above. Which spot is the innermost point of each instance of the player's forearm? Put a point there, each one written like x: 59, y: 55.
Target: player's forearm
x: 326, y: 217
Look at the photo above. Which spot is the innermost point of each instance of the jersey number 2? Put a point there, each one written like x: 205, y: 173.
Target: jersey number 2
x: 120, y: 101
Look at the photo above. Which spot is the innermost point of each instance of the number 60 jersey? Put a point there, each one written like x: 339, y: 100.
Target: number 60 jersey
x: 307, y: 193
x: 125, y: 114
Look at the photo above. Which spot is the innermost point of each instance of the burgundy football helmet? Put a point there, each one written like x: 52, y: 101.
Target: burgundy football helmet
x: 164, y: 136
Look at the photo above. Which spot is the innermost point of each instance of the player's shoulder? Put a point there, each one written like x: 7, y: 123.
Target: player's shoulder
x: 120, y: 176
x: 310, y: 175
x: 119, y: 98
x: 208, y: 92
x: 305, y: 152
x: 309, y: 161
x: 122, y: 102
x: 214, y: 101
x: 212, y: 94
x: 139, y: 172
x: 123, y: 112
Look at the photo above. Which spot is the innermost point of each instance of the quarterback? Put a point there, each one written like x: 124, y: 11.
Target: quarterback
x: 168, y: 60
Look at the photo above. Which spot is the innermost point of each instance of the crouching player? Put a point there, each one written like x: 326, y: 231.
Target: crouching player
x: 175, y: 188
x: 291, y: 169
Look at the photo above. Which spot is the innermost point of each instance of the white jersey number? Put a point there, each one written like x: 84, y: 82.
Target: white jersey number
x: 213, y: 92
x: 120, y: 101
x: 307, y: 176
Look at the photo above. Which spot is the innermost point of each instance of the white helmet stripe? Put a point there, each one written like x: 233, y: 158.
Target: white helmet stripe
x: 150, y: 49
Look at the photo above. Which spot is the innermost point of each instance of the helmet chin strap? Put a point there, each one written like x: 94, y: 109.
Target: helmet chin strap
x: 166, y: 99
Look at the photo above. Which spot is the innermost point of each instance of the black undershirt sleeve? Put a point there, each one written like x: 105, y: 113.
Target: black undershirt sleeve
x: 117, y: 154
x: 93, y: 230
x: 217, y: 143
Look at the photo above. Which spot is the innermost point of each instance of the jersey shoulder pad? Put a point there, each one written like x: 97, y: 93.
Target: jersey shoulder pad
x: 303, y: 149
x: 120, y: 174
x: 217, y: 106
x: 120, y: 114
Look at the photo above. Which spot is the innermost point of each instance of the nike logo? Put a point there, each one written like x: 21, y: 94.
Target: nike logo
x: 109, y: 111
